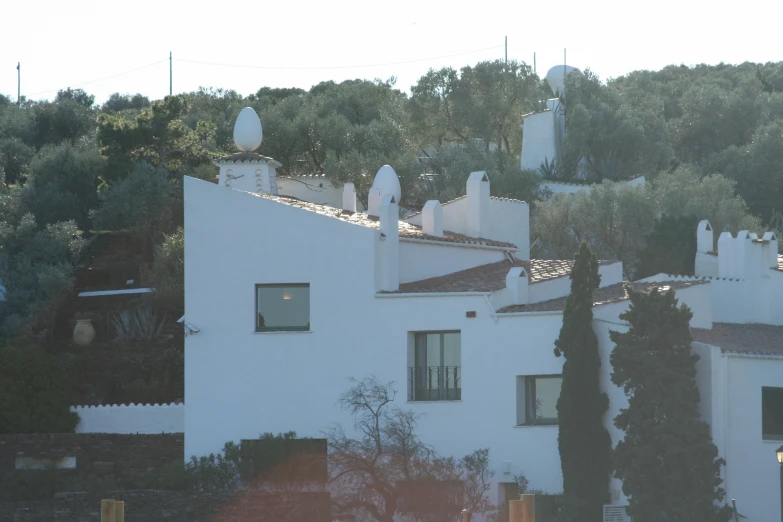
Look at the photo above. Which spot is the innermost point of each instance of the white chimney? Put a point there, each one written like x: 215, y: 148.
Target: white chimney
x: 266, y: 179
x: 388, y: 254
x: 517, y: 286
x: 349, y: 197
x: 771, y: 259
x: 432, y: 218
x: 478, y: 205
x: 726, y: 255
x: 705, y: 241
x: 742, y: 246
x: 374, y: 202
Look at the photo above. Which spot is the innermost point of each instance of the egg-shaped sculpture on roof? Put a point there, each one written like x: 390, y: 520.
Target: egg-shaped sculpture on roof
x: 387, y: 182
x: 247, y: 130
x: 555, y: 77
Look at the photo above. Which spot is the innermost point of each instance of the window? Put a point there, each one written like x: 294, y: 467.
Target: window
x: 771, y: 413
x: 537, y: 399
x: 434, y: 371
x: 284, y: 307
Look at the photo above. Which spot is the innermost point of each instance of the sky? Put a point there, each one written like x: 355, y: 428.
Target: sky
x: 118, y: 46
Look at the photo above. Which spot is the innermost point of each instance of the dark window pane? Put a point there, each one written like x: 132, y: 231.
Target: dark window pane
x: 541, y: 394
x: 772, y: 413
x: 282, y: 307
x: 436, y: 372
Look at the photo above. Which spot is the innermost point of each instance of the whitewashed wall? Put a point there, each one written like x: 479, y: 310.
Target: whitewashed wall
x: 314, y: 189
x: 539, y: 139
x: 752, y: 474
x: 424, y: 260
x: 131, y: 418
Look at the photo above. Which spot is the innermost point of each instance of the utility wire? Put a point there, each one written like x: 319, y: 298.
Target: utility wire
x: 335, y: 66
x: 100, y: 79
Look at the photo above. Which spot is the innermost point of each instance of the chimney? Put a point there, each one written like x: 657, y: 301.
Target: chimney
x: 478, y: 205
x: 388, y: 254
x: 517, y: 285
x: 266, y: 179
x: 705, y: 241
x: 742, y: 251
x: 374, y: 202
x: 771, y: 254
x: 726, y: 255
x: 432, y: 218
x: 349, y: 197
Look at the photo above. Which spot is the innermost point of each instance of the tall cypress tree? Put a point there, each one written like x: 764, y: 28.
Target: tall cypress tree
x: 585, y: 445
x: 668, y: 464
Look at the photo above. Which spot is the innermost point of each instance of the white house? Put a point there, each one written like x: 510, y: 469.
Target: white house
x: 289, y: 299
x: 741, y: 362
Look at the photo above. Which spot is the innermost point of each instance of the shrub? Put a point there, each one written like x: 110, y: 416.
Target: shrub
x: 167, y: 273
x: 137, y: 324
x: 35, y: 392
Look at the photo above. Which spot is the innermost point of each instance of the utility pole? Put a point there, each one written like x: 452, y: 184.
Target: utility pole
x: 171, y: 74
x: 534, y: 63
x: 19, y: 83
x: 506, y: 50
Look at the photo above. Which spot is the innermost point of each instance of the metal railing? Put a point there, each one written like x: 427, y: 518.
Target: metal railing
x: 434, y: 383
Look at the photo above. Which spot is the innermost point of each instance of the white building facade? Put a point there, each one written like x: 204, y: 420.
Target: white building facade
x: 290, y: 299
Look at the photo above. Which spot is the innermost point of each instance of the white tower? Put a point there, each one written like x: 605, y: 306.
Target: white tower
x: 246, y: 170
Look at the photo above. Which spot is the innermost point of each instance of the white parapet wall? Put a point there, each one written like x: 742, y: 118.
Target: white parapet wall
x: 131, y: 418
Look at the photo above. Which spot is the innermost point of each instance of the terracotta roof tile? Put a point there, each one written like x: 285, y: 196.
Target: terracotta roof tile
x: 606, y: 295
x: 406, y: 230
x: 759, y: 339
x: 492, y: 277
x: 243, y: 157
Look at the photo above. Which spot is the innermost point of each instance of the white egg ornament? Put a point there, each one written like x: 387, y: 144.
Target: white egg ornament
x: 247, y: 130
x: 387, y: 182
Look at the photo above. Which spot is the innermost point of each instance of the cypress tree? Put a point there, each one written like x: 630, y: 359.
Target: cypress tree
x: 668, y: 464
x: 584, y: 444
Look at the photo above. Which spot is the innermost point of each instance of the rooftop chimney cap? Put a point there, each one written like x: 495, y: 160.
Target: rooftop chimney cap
x: 387, y: 182
x: 247, y: 130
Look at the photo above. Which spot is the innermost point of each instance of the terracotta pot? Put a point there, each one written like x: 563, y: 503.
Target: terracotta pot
x: 83, y: 332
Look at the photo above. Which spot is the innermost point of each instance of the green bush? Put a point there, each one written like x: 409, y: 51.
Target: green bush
x: 137, y: 324
x: 167, y: 273
x: 35, y: 392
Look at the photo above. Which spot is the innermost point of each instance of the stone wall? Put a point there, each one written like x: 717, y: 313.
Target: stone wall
x: 121, y: 457
x: 171, y: 506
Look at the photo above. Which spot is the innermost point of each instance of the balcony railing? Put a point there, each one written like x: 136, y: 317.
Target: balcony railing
x: 434, y: 383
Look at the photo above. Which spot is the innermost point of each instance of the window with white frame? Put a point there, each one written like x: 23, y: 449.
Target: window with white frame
x: 283, y: 307
x: 771, y: 413
x: 537, y: 399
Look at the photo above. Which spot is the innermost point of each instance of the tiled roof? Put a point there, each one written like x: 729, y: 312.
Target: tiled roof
x: 406, y: 230
x: 463, y: 197
x: 760, y: 339
x: 606, y: 295
x: 243, y: 157
x: 491, y: 277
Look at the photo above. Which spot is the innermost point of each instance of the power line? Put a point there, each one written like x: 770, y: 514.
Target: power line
x: 100, y: 79
x: 335, y: 66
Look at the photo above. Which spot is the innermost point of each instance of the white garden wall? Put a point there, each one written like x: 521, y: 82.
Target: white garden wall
x: 131, y: 418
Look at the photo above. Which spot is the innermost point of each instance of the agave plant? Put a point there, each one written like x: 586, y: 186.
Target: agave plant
x: 137, y: 324
x: 548, y: 169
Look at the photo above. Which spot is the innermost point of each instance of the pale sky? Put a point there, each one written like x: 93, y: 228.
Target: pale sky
x: 83, y: 43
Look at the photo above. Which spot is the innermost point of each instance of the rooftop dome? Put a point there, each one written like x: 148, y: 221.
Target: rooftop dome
x: 387, y: 182
x: 247, y: 130
x: 555, y: 77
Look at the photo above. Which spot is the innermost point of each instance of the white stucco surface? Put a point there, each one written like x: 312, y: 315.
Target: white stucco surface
x: 131, y: 418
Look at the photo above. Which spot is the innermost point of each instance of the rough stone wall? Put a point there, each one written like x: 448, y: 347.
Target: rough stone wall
x: 170, y: 506
x: 96, y: 454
